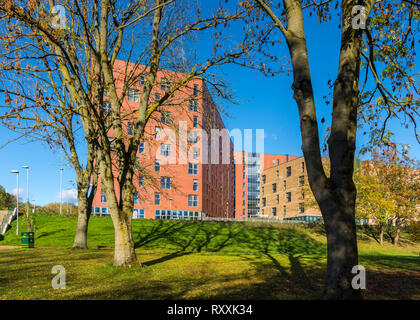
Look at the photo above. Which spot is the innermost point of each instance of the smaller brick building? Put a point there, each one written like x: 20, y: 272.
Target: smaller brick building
x: 285, y: 193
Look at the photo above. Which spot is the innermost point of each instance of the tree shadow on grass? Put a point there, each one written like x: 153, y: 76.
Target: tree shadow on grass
x: 160, y: 230
x: 165, y: 258
x: 296, y: 246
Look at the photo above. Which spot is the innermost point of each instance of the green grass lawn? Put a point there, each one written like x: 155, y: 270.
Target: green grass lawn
x: 195, y: 260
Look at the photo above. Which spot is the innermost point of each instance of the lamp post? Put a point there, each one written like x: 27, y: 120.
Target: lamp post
x: 27, y: 190
x: 61, y: 192
x: 17, y: 200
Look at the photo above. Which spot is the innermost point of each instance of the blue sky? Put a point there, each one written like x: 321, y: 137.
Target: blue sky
x: 266, y: 103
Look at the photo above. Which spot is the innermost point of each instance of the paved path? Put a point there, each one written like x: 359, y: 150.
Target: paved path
x: 9, y: 247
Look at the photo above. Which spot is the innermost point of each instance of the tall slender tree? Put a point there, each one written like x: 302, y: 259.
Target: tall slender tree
x: 336, y: 193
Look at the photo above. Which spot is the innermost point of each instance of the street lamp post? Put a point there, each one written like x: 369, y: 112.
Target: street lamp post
x: 17, y: 200
x: 61, y: 192
x: 27, y: 190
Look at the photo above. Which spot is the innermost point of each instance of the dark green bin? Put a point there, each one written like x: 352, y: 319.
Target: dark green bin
x: 27, y: 240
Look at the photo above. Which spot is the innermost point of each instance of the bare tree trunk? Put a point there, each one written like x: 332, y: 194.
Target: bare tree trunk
x: 124, y: 254
x: 342, y: 253
x: 397, y: 235
x: 84, y: 211
x: 381, y: 235
x: 121, y: 212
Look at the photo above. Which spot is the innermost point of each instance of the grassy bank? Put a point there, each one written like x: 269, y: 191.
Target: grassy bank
x: 194, y: 260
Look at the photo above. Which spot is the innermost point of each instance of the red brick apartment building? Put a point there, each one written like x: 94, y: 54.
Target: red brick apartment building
x: 176, y: 178
x: 248, y: 169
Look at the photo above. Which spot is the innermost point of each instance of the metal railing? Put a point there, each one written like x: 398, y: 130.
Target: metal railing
x: 7, y: 220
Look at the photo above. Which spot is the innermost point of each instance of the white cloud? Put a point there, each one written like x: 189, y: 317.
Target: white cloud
x: 15, y: 191
x: 69, y: 195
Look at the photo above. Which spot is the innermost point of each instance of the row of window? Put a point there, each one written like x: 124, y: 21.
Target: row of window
x: 133, y: 95
x: 165, y: 85
x: 165, y: 117
x: 301, y: 183
x: 165, y: 150
x: 288, y: 198
x: 274, y: 210
x: 103, y: 211
x: 159, y: 214
x: 288, y: 172
x: 177, y: 214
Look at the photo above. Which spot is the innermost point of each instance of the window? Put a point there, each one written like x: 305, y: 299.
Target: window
x: 243, y: 194
x: 193, y: 105
x: 130, y: 128
x: 165, y: 85
x: 303, y: 196
x: 165, y: 150
x: 195, y: 153
x: 195, y: 90
x: 133, y: 95
x: 157, y: 165
x: 274, y: 186
x: 284, y: 210
x: 302, y: 165
x: 274, y: 211
x: 193, y: 137
x: 136, y: 197
x: 301, y: 208
x: 165, y: 183
x: 166, y: 117
x: 157, y: 133
x: 243, y: 185
x: 288, y: 171
x: 138, y: 213
x: 157, y: 198
x: 301, y: 181
x: 263, y: 179
x: 274, y: 163
x: 277, y: 174
x: 142, y: 80
x: 157, y: 97
x: 193, y: 169
x: 284, y: 184
x: 278, y: 162
x: 288, y: 196
x: 141, y: 147
x: 192, y: 200
x: 141, y: 181
x: 103, y: 198
x: 262, y: 190
x: 264, y: 202
x: 195, y: 185
x: 195, y: 122
x: 277, y: 199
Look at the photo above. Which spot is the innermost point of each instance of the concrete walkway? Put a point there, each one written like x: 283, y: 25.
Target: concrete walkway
x: 8, y: 247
